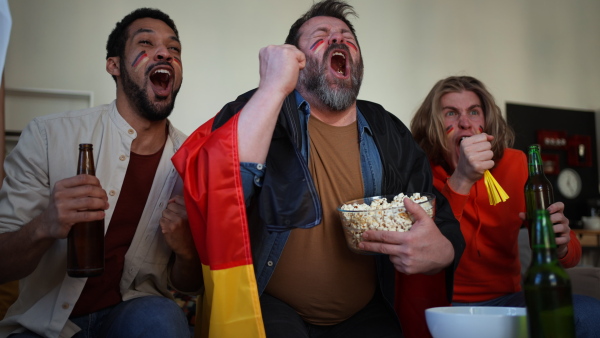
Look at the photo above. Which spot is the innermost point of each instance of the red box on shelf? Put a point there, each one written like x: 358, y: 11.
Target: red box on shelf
x: 552, y: 139
x: 579, y: 151
x: 551, y: 164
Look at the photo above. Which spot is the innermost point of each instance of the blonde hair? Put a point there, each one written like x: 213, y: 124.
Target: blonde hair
x: 428, y: 129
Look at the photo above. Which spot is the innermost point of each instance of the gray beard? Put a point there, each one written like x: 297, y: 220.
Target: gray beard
x: 313, y: 78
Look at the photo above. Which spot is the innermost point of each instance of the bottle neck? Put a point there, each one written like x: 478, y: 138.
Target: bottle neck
x: 85, y: 165
x: 543, y: 256
x: 534, y: 162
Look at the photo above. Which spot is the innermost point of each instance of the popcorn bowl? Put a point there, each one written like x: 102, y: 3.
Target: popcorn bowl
x: 385, y: 213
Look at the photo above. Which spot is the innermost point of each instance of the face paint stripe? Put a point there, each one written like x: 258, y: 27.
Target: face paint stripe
x: 352, y: 45
x: 177, y: 60
x: 480, y: 129
x: 316, y: 45
x: 449, y: 129
x: 139, y: 58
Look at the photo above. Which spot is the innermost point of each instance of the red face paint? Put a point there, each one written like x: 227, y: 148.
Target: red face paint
x: 316, y: 45
x: 139, y: 58
x: 480, y: 129
x: 449, y: 129
x: 352, y: 45
x: 177, y: 60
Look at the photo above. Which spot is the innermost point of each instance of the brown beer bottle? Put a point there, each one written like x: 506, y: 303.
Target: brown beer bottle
x: 538, y: 190
x: 85, y: 244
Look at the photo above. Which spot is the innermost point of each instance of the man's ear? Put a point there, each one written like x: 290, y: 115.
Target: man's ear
x: 113, y: 66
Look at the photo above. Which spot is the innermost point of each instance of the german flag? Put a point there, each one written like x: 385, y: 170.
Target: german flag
x: 209, y: 164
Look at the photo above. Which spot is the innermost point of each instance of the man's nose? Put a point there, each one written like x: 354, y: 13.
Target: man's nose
x: 336, y: 37
x: 162, y: 53
x: 463, y: 121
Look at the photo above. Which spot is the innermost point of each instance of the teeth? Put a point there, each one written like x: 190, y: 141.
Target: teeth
x: 339, y: 54
x: 163, y: 71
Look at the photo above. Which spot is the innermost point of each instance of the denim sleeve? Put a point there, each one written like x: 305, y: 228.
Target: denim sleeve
x: 252, y: 177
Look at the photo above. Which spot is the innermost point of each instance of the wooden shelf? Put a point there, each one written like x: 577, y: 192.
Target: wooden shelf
x: 24, y: 104
x: 588, y: 238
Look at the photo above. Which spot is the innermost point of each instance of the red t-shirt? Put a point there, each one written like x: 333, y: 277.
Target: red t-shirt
x: 103, y: 291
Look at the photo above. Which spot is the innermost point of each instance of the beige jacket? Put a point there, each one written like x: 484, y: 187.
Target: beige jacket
x: 46, y: 153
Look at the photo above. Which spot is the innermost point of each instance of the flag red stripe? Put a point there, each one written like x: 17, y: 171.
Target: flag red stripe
x: 209, y: 164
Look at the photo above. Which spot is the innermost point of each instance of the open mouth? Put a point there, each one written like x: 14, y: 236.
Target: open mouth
x: 458, y: 142
x: 338, y: 63
x: 161, y: 78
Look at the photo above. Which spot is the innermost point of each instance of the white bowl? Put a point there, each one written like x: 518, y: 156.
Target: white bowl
x: 591, y: 223
x: 477, y: 322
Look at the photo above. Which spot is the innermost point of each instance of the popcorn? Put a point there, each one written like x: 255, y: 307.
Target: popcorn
x: 379, y: 215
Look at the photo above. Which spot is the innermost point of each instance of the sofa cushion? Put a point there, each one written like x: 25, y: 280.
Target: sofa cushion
x: 585, y: 281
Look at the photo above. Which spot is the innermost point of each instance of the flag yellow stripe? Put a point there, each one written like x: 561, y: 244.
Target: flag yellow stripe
x: 230, y: 306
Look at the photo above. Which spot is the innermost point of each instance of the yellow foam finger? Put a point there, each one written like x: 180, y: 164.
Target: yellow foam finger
x: 495, y: 192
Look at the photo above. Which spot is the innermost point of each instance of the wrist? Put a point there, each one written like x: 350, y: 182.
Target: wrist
x: 561, y: 251
x: 271, y: 93
x: 460, y: 184
x: 38, y: 229
x: 187, y: 257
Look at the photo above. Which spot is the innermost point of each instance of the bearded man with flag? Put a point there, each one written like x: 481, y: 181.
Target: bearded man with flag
x: 263, y: 180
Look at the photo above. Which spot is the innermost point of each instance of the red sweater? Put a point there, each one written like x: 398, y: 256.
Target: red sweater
x: 490, y: 266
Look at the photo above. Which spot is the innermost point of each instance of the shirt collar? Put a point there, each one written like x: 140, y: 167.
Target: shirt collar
x: 304, y: 107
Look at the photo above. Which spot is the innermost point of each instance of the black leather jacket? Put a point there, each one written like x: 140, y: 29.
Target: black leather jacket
x: 288, y: 198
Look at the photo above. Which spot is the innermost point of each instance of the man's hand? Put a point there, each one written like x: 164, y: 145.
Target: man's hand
x: 423, y: 249
x: 562, y: 231
x: 279, y: 68
x: 474, y: 159
x: 73, y: 200
x: 186, y: 274
x: 176, y: 229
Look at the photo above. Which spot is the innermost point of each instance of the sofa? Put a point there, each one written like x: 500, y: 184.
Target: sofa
x: 585, y: 280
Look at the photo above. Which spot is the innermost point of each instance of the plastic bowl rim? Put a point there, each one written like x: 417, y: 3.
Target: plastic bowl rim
x: 431, y: 196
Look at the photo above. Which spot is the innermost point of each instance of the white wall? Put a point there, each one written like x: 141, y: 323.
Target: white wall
x: 542, y: 52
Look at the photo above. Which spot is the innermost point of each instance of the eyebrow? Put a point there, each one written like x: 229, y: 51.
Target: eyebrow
x: 454, y: 108
x: 327, y: 30
x: 147, y: 30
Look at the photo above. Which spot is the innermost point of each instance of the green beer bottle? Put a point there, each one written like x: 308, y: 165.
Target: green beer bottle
x: 538, y: 190
x: 547, y: 285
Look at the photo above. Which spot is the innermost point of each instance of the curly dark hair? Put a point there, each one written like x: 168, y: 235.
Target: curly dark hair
x: 332, y: 8
x: 115, y: 46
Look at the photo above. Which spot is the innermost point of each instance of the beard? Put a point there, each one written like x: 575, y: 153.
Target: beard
x: 336, y: 94
x: 151, y: 111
